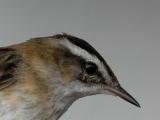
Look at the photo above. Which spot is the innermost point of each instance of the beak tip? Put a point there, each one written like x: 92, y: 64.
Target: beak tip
x: 137, y: 104
x: 119, y: 91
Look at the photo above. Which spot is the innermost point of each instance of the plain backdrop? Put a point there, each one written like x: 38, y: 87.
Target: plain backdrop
x: 125, y: 32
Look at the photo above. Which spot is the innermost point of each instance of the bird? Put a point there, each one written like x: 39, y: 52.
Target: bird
x: 42, y: 77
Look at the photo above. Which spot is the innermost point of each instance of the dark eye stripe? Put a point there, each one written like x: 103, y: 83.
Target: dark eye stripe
x: 87, y: 47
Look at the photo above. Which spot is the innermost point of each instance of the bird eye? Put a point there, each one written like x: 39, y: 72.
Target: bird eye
x: 91, y: 68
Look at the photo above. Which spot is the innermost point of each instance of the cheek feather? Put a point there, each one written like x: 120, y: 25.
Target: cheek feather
x: 70, y: 71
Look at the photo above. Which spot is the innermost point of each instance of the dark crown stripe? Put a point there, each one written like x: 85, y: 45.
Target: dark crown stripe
x: 87, y: 47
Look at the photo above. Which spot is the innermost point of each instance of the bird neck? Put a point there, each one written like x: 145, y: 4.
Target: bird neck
x: 61, y: 105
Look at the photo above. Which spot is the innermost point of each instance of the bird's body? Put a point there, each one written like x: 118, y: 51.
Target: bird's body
x: 33, y: 97
x: 42, y: 77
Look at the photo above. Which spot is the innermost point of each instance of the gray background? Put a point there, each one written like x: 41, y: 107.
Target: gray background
x: 125, y: 32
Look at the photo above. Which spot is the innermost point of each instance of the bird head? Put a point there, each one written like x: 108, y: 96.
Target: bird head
x: 85, y: 71
x: 56, y: 71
